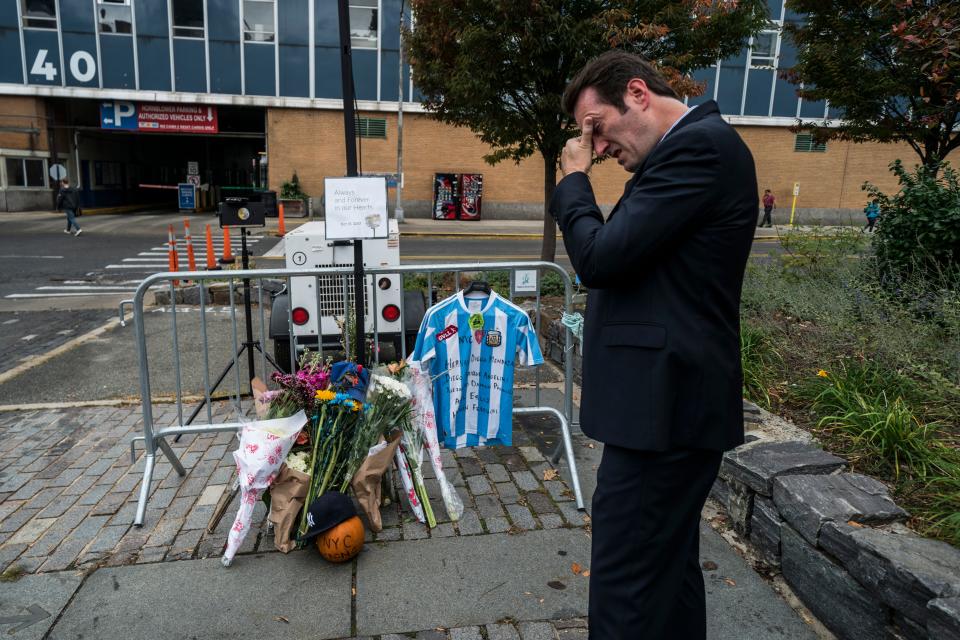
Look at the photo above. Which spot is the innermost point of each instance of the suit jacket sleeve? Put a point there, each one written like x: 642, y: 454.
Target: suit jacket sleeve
x: 671, y: 197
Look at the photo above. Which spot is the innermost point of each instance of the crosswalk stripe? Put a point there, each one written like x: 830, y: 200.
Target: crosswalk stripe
x: 105, y: 288
x: 15, y: 296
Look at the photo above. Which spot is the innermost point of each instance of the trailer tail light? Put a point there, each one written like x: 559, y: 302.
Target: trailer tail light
x: 391, y: 313
x: 300, y: 316
x: 384, y: 283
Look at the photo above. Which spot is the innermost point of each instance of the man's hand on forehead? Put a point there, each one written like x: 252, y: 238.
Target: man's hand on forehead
x: 577, y: 154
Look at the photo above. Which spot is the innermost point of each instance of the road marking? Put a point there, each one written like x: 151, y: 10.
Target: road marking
x: 33, y: 257
x: 29, y: 337
x: 106, y: 288
x: 485, y: 258
x: 53, y: 353
x: 17, y: 296
x: 11, y: 321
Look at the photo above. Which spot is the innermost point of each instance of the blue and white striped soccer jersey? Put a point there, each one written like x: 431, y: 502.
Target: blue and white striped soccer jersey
x: 469, y: 346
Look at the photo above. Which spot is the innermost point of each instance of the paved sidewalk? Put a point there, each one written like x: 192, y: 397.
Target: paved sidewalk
x: 512, y: 567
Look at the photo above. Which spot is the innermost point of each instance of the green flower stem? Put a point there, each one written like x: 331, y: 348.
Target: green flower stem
x: 313, y: 465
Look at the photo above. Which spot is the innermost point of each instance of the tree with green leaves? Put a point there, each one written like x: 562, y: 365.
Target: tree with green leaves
x: 499, y: 67
x: 891, y: 68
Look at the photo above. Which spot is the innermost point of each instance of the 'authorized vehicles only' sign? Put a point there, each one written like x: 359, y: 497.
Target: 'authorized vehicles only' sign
x: 158, y: 117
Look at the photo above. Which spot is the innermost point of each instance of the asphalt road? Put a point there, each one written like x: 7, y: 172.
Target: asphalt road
x: 55, y: 287
x: 43, y: 268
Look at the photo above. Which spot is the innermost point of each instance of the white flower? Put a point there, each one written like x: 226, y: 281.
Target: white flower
x: 391, y: 386
x: 299, y: 461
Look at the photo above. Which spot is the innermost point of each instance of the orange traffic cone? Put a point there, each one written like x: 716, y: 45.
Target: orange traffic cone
x: 281, y: 227
x: 172, y: 259
x: 227, y: 254
x: 191, y: 261
x: 211, y: 256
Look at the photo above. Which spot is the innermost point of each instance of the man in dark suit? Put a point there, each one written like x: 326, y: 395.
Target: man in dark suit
x: 661, y: 349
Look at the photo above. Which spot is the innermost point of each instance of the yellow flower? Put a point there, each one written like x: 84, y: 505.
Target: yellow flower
x: 325, y: 395
x: 355, y: 406
x: 822, y: 374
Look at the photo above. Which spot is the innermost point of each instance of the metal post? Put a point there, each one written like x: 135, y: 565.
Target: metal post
x: 350, y: 142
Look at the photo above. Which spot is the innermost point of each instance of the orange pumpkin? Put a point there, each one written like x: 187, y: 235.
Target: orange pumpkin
x: 343, y: 542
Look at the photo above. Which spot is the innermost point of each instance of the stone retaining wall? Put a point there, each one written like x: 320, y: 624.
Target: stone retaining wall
x: 837, y: 537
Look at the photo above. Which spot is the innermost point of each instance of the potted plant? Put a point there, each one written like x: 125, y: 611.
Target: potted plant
x: 293, y: 198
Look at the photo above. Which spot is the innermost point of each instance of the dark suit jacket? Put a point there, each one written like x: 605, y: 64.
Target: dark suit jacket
x: 661, y: 340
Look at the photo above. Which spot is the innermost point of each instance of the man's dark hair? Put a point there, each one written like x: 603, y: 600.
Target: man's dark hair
x: 65, y: 182
x: 609, y: 74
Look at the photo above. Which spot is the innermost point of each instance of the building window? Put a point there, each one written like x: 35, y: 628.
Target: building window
x: 39, y: 14
x: 187, y: 18
x: 113, y: 16
x: 372, y: 128
x: 364, y: 24
x: 763, y: 50
x: 258, y: 20
x: 804, y: 142
x: 26, y: 172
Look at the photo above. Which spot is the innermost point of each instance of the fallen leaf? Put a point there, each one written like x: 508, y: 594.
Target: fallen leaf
x: 281, y: 619
x: 556, y: 584
x: 550, y: 474
x: 730, y: 581
x: 527, y: 593
x: 590, y: 445
x: 586, y: 519
x: 541, y: 600
x: 354, y: 590
x: 586, y: 574
x: 576, y: 568
x: 709, y: 565
x: 854, y: 524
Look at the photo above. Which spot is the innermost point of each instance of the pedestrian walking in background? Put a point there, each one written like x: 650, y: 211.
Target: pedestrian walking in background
x: 769, y: 204
x: 872, y: 211
x: 68, y: 199
x: 662, y: 379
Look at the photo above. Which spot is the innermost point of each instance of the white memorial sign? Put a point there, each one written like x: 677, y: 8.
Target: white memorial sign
x: 356, y: 208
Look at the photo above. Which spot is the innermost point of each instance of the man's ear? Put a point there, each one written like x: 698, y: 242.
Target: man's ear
x: 637, y: 93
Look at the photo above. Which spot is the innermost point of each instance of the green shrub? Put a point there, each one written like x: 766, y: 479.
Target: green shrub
x: 291, y: 190
x: 919, y: 226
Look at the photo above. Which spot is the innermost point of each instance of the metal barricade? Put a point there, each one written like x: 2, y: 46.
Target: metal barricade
x: 155, y: 438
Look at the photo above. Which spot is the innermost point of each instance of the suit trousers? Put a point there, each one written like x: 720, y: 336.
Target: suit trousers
x: 645, y: 576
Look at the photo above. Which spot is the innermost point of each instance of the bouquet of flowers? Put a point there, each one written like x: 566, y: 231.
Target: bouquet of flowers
x: 263, y: 446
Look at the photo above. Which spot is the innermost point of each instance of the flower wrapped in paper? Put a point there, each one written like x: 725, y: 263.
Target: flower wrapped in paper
x: 264, y: 444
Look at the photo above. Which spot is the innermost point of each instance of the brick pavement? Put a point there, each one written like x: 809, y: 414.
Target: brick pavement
x: 68, y: 493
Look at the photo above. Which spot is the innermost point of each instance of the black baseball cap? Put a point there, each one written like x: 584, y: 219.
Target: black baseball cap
x: 328, y: 511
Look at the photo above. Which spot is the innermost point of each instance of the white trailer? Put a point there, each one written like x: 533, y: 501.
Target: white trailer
x: 315, y: 307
